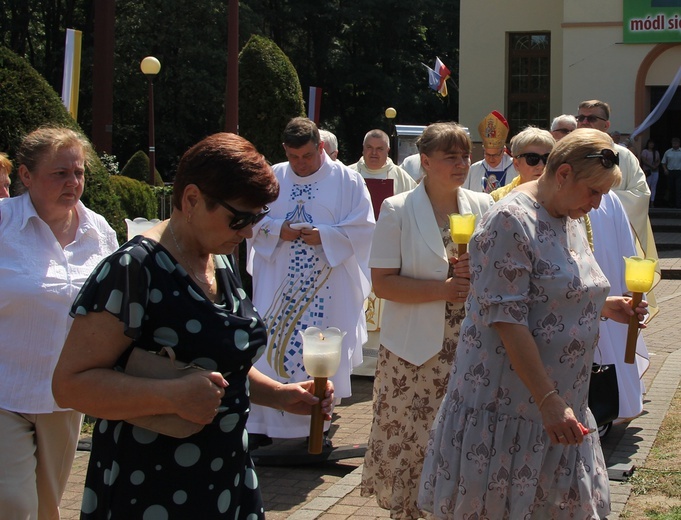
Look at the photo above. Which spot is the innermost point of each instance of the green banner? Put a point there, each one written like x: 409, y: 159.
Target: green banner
x: 652, y: 21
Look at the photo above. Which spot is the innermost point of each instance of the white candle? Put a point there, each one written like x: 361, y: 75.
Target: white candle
x: 321, y: 351
x: 321, y: 364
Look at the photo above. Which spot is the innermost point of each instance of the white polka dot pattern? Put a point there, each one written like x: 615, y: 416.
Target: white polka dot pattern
x: 136, y: 473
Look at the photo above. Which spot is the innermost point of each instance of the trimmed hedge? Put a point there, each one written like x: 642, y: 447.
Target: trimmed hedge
x: 137, y: 168
x: 137, y: 198
x: 29, y: 102
x: 269, y: 96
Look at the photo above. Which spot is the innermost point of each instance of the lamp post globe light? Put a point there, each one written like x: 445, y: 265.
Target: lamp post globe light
x: 150, y: 67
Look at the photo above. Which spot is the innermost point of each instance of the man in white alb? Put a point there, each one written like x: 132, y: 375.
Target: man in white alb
x: 310, y: 264
x: 375, y: 163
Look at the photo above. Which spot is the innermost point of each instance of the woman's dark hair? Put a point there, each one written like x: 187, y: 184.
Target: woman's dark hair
x: 648, y: 142
x: 226, y: 167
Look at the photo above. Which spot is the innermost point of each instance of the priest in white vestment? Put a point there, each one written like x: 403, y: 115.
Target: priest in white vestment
x: 613, y: 240
x: 375, y: 163
x: 633, y: 191
x: 309, y: 260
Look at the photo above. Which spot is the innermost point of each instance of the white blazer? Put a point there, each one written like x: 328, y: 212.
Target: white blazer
x: 407, y: 237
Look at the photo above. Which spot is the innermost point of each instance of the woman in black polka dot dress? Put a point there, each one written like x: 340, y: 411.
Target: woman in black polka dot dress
x: 177, y: 286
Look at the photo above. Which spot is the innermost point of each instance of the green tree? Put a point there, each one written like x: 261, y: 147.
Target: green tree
x: 190, y: 41
x: 137, y: 198
x: 365, y: 55
x: 35, y: 29
x: 28, y: 102
x: 137, y: 168
x: 269, y: 96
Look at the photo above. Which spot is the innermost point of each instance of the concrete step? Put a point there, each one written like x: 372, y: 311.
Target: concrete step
x: 664, y: 213
x: 667, y: 241
x: 666, y: 227
x: 666, y: 224
x: 670, y: 263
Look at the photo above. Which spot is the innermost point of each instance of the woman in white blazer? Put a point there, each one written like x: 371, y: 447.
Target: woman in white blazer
x: 415, y: 269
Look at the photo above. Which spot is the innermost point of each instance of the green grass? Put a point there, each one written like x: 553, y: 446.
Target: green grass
x: 673, y: 514
x: 656, y: 487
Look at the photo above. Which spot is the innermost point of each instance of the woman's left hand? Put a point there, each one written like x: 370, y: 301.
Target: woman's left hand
x: 618, y: 308
x: 299, y: 398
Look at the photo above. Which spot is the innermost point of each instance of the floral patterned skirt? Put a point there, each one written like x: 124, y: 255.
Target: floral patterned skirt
x: 406, y: 399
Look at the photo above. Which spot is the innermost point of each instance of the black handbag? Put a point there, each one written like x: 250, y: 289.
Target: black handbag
x: 604, y: 395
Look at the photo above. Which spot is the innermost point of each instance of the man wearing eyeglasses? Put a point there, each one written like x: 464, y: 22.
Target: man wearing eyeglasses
x: 633, y: 191
x: 309, y: 258
x: 612, y: 241
x: 496, y: 168
x: 562, y: 125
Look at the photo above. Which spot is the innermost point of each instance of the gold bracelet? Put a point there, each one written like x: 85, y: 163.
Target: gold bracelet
x: 548, y: 394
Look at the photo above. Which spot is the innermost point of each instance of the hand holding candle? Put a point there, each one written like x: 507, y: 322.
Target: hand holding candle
x: 638, y: 275
x: 321, y: 357
x: 461, y: 228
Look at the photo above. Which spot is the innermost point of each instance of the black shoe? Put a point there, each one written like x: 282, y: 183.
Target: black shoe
x: 258, y: 440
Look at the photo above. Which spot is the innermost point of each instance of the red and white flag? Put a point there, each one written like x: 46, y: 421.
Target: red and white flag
x: 444, y: 73
x: 314, y: 103
x: 437, y: 77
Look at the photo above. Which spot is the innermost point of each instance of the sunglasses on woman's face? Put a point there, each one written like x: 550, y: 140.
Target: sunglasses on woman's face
x: 608, y: 158
x: 241, y: 219
x: 532, y: 159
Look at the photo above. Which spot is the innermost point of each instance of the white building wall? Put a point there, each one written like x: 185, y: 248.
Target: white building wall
x: 588, y: 58
x: 664, y: 69
x: 592, y: 11
x: 482, y: 52
x: 596, y: 65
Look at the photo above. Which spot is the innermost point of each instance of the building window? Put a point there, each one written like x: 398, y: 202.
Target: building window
x: 529, y: 80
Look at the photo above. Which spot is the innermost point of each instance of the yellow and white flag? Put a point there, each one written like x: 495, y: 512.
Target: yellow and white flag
x: 71, y: 83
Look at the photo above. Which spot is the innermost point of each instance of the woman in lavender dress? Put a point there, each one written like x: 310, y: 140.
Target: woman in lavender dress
x: 510, y: 439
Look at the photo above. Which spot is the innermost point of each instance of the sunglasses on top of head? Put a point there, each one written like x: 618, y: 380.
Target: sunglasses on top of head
x: 532, y: 159
x: 590, y: 118
x: 242, y: 219
x: 608, y: 157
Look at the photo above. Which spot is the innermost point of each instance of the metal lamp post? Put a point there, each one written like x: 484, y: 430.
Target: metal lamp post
x: 390, y: 114
x: 150, y: 67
